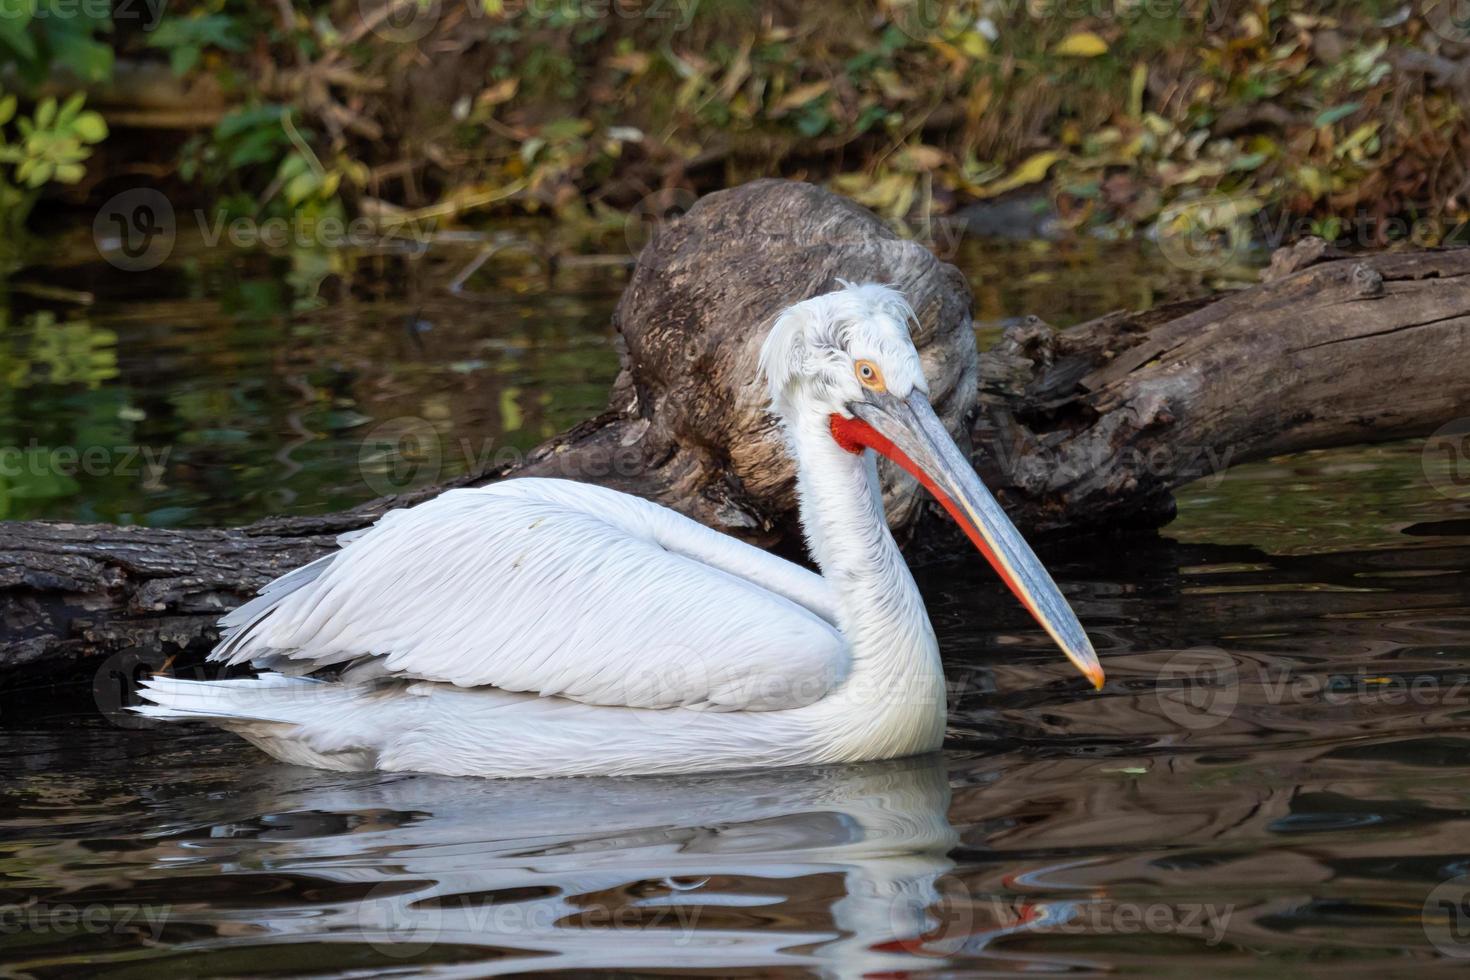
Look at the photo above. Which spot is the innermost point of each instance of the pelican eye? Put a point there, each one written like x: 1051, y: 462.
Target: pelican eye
x: 867, y: 372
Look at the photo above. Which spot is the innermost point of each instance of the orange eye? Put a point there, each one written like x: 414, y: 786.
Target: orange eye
x: 867, y: 372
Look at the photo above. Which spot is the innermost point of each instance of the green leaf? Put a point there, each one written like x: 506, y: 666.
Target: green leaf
x: 14, y: 34
x: 186, y: 38
x: 254, y: 117
x: 562, y: 129
x: 1249, y: 161
x: 7, y: 109
x: 69, y: 109
x: 35, y: 172
x: 292, y: 167
x: 184, y: 58
x: 302, y: 186
x: 46, y: 113
x: 1329, y: 116
x: 255, y: 147
x: 88, y: 59
x: 90, y: 127
x: 813, y: 122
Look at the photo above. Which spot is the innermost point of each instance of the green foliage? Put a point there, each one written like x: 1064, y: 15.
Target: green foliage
x: 1123, y: 111
x: 45, y: 350
x: 51, y: 144
x: 39, y: 34
x: 260, y: 162
x: 185, y: 38
x: 48, y: 40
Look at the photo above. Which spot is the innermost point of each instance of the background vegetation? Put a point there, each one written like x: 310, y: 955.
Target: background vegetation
x: 1130, y: 114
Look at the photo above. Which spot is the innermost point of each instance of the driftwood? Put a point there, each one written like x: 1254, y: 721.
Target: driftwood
x: 1087, y: 428
x: 1096, y: 425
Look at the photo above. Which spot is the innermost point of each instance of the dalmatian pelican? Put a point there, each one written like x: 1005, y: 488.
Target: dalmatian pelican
x: 539, y: 627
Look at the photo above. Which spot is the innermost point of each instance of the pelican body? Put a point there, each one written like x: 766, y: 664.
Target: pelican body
x: 540, y: 627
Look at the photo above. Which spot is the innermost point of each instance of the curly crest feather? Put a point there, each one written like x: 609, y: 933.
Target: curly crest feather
x: 812, y: 345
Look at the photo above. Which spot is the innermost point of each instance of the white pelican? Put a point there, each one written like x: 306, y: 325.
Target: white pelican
x: 548, y: 628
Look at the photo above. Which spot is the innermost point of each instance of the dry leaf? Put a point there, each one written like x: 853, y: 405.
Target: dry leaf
x: 800, y: 96
x: 1083, y: 44
x: 501, y: 91
x: 1033, y: 170
x: 632, y: 62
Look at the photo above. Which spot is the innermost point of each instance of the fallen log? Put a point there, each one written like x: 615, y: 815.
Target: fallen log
x: 1091, y: 427
x: 1095, y: 426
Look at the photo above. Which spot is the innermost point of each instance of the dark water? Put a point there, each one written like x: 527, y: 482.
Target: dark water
x: 1274, y: 781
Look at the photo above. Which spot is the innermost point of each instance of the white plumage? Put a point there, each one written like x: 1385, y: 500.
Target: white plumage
x: 560, y: 589
x: 543, y: 627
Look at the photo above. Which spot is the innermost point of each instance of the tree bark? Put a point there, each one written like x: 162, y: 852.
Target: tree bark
x: 1091, y: 427
x: 1095, y: 426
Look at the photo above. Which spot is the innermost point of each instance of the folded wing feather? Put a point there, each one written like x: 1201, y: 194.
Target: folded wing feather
x: 557, y: 588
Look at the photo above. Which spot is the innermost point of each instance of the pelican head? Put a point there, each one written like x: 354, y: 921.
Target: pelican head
x: 844, y: 363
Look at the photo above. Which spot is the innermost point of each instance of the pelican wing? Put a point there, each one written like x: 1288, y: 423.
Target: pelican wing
x: 557, y: 588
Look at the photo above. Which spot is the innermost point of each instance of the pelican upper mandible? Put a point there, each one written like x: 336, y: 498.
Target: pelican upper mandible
x: 548, y: 628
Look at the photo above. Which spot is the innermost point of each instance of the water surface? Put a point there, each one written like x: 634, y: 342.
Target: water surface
x: 1273, y: 782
